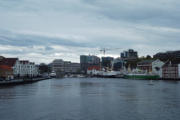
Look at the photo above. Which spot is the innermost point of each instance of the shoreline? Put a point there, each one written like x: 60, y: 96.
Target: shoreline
x: 21, y: 81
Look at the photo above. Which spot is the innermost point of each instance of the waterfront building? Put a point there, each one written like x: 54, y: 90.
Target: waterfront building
x: 65, y: 67
x: 106, y: 62
x: 145, y: 65
x: 93, y: 70
x: 70, y: 67
x: 33, y: 70
x: 171, y: 70
x: 130, y: 58
x: 130, y: 54
x: 10, y: 63
x: 118, y: 64
x: 24, y: 68
x: 6, y: 72
x: 157, y: 67
x: 75, y: 68
x: 87, y: 61
x: 20, y: 68
x: 58, y: 65
x: 168, y: 56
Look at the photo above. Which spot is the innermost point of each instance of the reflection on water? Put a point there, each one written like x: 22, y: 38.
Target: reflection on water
x: 91, y: 99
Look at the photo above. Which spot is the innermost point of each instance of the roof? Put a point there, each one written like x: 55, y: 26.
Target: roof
x: 146, y: 61
x: 24, y: 61
x: 94, y: 68
x: 8, y: 61
x: 1, y: 57
x: 32, y: 63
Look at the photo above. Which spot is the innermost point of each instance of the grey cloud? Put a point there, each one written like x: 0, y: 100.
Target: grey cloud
x: 63, y: 28
x: 164, y: 13
x: 9, y: 38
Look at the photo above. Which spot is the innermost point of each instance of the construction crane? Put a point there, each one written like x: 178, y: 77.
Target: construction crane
x: 106, y: 49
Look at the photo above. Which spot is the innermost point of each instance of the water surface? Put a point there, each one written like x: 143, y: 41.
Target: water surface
x: 91, y: 99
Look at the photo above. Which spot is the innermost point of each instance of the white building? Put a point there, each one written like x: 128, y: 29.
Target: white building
x: 21, y: 68
x: 32, y: 70
x: 157, y: 67
x: 59, y: 65
x: 25, y: 68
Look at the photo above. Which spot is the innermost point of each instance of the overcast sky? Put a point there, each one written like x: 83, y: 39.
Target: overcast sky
x: 43, y: 30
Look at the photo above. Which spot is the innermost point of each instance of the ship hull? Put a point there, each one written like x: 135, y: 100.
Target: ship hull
x: 142, y: 77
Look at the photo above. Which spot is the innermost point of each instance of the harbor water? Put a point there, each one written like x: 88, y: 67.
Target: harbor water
x: 91, y: 99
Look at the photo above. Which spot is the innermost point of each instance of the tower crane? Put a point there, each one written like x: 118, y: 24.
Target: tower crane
x: 107, y: 49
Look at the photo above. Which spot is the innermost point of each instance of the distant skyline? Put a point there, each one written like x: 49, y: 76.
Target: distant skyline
x: 43, y: 30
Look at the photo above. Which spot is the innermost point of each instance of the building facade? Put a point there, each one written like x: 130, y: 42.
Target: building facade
x: 106, y: 62
x: 145, y: 65
x: 65, y: 67
x: 58, y: 65
x: 6, y: 72
x: 170, y: 71
x: 93, y: 70
x: 20, y: 68
x: 87, y: 61
x: 118, y: 64
x: 169, y: 55
x: 130, y: 54
x: 157, y: 67
x: 70, y: 67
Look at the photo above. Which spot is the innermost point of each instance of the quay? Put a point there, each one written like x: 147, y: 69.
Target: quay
x: 22, y: 81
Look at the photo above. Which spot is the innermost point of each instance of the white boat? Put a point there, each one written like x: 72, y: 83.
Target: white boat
x: 52, y: 74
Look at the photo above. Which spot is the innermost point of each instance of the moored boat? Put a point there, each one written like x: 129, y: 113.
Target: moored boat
x: 142, y: 76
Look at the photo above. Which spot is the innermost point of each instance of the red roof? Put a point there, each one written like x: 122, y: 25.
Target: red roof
x: 8, y: 61
x: 94, y: 68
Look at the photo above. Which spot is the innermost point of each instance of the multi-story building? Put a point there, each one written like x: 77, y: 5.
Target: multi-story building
x: 24, y: 68
x: 151, y: 66
x: 118, y: 64
x: 87, y: 60
x: 70, y: 67
x: 130, y: 54
x: 145, y: 65
x: 168, y: 56
x: 59, y: 65
x: 33, y: 70
x: 157, y: 67
x: 106, y: 62
x: 93, y: 70
x: 6, y: 72
x: 20, y: 68
x: 171, y: 70
x: 10, y: 63
x: 75, y: 67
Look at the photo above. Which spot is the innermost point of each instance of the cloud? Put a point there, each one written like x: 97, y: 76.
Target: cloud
x: 47, y: 29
